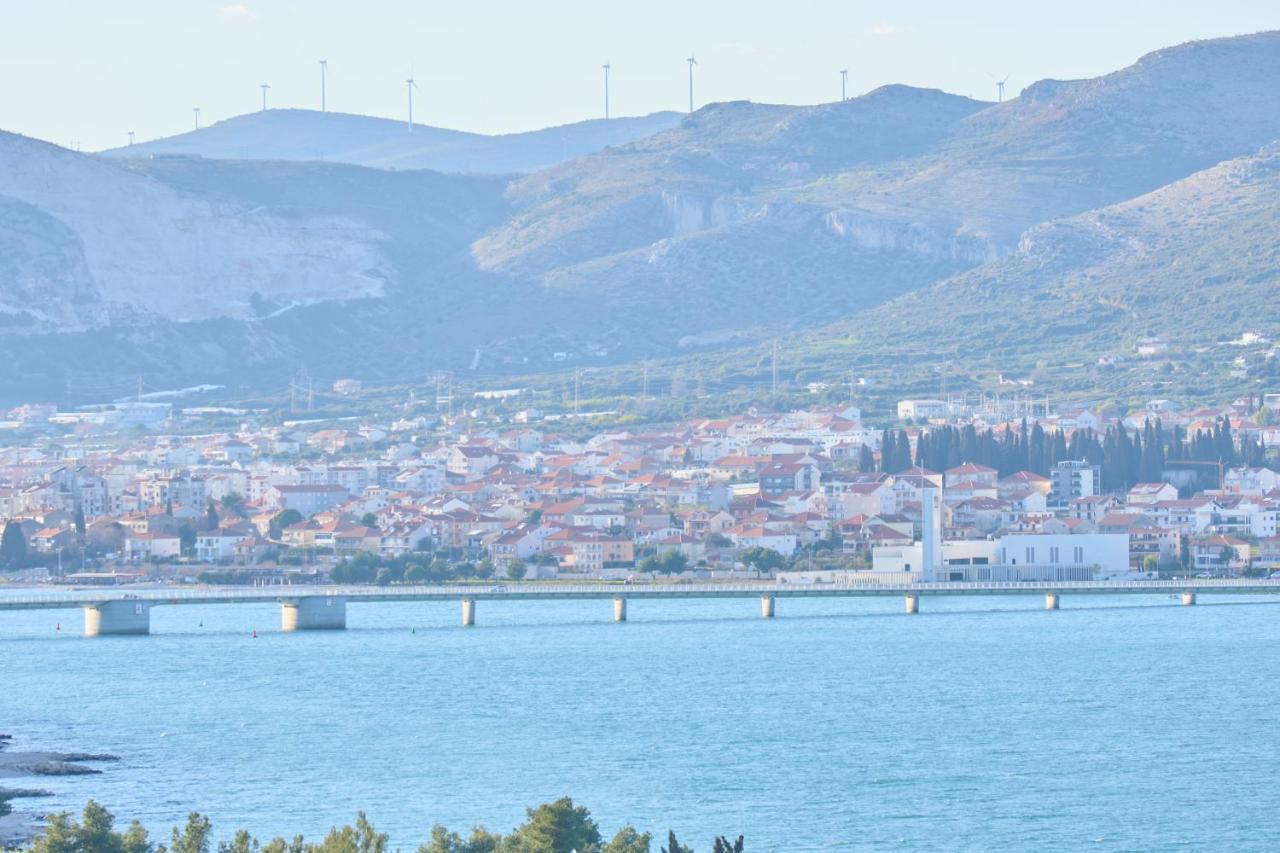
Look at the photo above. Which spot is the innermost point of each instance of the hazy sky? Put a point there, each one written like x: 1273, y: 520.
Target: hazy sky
x: 89, y: 71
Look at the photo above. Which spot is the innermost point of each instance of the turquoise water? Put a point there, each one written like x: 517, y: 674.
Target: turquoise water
x: 1112, y: 724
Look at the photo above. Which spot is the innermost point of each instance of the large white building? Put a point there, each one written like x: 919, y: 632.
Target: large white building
x: 1018, y: 557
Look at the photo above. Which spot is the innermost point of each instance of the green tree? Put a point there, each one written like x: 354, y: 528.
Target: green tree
x: 369, y: 520
x: 724, y: 845
x: 242, y: 842
x: 556, y: 828
x: 211, y: 519
x: 13, y: 545
x: 196, y: 836
x: 282, y: 520
x: 444, y: 841
x: 79, y: 522
x: 187, y: 539
x: 763, y: 559
x: 517, y: 570
x: 628, y: 840
x: 361, y: 838
x: 674, y: 846
x: 719, y: 540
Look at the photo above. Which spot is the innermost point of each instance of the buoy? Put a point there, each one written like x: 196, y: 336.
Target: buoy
x: 255, y: 635
x: 59, y: 628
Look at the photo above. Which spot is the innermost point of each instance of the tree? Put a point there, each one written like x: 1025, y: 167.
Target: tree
x: 674, y: 846
x: 628, y: 840
x: 79, y: 522
x: 187, y: 539
x: 369, y: 520
x: 211, y: 519
x: 723, y: 845
x: 196, y: 836
x: 361, y: 838
x: 94, y: 833
x: 556, y: 827
x: 282, y: 520
x: 763, y: 559
x: 719, y: 540
x: 13, y: 546
x: 517, y: 570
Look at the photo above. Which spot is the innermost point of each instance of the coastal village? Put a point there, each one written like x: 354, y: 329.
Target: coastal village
x: 815, y: 494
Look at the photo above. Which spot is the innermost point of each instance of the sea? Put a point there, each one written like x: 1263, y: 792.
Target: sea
x: 1114, y: 723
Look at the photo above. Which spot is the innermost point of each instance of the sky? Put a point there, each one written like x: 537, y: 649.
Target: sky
x: 86, y: 72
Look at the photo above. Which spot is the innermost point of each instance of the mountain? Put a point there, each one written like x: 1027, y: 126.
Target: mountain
x: 893, y: 228
x: 790, y: 213
x: 385, y: 144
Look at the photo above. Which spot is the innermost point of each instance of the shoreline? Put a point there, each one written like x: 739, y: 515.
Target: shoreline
x: 20, y: 826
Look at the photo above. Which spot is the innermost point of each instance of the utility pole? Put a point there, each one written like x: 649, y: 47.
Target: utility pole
x: 577, y: 375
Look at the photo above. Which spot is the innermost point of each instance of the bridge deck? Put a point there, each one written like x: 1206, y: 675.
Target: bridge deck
x: 554, y: 591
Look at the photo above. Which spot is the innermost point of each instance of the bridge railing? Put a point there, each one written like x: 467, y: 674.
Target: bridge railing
x: 691, y: 590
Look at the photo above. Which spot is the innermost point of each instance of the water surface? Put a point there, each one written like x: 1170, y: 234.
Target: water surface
x: 983, y: 723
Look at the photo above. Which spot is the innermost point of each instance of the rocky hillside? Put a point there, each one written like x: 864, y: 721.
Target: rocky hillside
x: 905, y: 221
x: 309, y: 135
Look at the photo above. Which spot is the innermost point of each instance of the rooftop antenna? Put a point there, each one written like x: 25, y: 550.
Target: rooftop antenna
x: 196, y: 111
x: 692, y: 62
x: 131, y: 139
x: 410, y: 85
x: 999, y: 87
x: 324, y: 70
x: 265, y: 87
x: 606, y: 68
x: 844, y: 84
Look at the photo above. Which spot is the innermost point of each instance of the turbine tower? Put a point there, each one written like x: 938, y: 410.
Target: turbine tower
x: 606, y: 68
x: 1000, y: 87
x: 324, y: 70
x: 410, y: 85
x: 844, y: 84
x: 692, y: 62
x: 264, y: 87
x: 131, y: 139
x: 196, y: 111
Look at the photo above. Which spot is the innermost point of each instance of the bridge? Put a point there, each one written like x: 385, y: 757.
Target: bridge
x: 305, y: 608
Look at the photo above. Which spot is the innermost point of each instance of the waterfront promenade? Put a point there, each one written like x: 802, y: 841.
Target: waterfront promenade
x: 108, y: 611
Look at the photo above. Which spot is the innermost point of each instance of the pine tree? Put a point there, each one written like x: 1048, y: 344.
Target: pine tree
x: 13, y: 546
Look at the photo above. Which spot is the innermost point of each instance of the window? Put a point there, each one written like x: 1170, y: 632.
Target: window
x: 1053, y: 555
x: 1079, y: 555
x: 1031, y: 555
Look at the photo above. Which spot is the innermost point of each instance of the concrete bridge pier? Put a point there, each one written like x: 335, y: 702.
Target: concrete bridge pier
x: 619, y: 609
x: 913, y: 602
x: 468, y: 612
x: 1188, y: 598
x: 766, y: 607
x: 313, y: 613
x: 1050, y: 601
x: 116, y: 618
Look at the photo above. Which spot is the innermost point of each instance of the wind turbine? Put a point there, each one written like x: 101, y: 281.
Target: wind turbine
x: 999, y: 86
x: 131, y: 139
x: 196, y: 110
x: 692, y: 62
x: 410, y: 85
x: 606, y: 68
x: 324, y: 69
x: 264, y: 87
x: 844, y: 84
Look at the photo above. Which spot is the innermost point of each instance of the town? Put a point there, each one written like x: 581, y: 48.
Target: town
x: 950, y: 491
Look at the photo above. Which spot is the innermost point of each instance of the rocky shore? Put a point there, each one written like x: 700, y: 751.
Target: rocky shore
x: 19, y: 826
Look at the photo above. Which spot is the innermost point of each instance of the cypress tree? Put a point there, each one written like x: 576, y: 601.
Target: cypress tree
x: 13, y: 546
